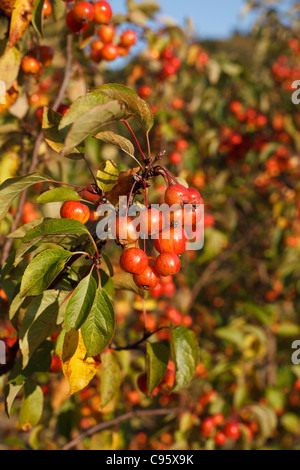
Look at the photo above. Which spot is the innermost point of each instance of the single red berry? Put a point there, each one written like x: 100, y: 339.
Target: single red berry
x: 128, y: 38
x: 106, y: 33
x: 232, y: 430
x: 194, y: 196
x: 97, y: 45
x: 193, y: 212
x: 30, y: 65
x: 56, y: 365
x: 109, y: 52
x: 73, y: 25
x: 207, y: 426
x: 157, y: 292
x: 75, y: 210
x: 297, y: 385
x: 151, y: 221
x: 39, y: 114
x: 148, y: 279
x: 168, y: 70
x: 168, y: 52
x: 171, y: 240
x: 103, y: 12
x: 145, y: 91
x: 134, y: 261
x: 47, y: 9
x: 175, y: 158
x: 176, y: 194
x: 181, y: 145
x: 169, y: 289
x: 124, y: 230
x: 167, y: 263
x: 83, y: 12
x: 220, y: 438
x: 218, y: 419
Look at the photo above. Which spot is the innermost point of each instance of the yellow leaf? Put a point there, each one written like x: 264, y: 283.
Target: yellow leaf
x: 9, y: 166
x: 20, y: 19
x: 10, y: 97
x: 79, y: 369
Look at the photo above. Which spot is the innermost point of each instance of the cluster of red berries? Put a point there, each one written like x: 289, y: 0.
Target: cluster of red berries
x: 222, y: 430
x: 105, y: 47
x: 171, y: 63
x: 36, y: 59
x: 278, y: 162
x: 168, y: 240
x: 250, y: 116
x: 284, y: 72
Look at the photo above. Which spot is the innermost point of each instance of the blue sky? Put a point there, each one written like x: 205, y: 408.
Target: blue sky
x: 211, y: 18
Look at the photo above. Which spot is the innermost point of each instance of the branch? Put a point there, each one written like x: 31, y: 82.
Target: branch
x: 106, y: 424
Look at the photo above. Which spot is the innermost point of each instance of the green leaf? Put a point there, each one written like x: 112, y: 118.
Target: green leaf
x: 107, y: 283
x: 291, y: 423
x: 51, y: 230
x: 12, y: 187
x: 10, y: 392
x: 110, y: 378
x: 231, y: 334
x: 91, y: 121
x: 107, y: 175
x: 53, y: 137
x: 38, y: 16
x: 185, y: 354
x: 39, y: 362
x: 135, y: 106
x: 275, y: 398
x: 80, y: 303
x: 58, y: 195
x: 98, y: 329
x: 42, y: 318
x: 42, y: 271
x: 32, y: 405
x: 15, y: 305
x: 157, y: 361
x: 79, y: 107
x: 8, y: 265
x: 115, y: 139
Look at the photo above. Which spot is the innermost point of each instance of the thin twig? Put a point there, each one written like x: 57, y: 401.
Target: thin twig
x: 106, y: 424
